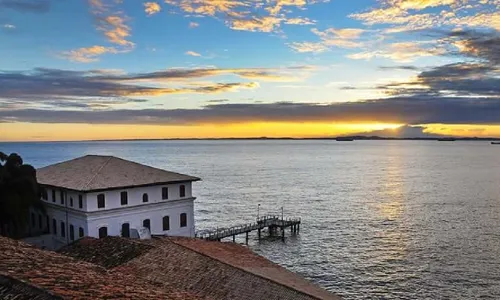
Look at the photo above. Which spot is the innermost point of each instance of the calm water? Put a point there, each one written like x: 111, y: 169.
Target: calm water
x: 381, y: 220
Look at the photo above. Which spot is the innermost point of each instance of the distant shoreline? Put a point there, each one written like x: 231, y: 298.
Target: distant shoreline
x: 354, y: 138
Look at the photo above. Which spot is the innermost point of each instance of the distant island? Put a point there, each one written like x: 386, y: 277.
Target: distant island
x: 337, y: 138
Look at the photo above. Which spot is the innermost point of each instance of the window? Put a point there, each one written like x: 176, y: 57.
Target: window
x: 147, y: 223
x: 63, y: 229
x: 126, y: 230
x: 80, y: 232
x: 183, y: 220
x: 80, y: 201
x: 62, y: 197
x: 103, y: 232
x: 164, y: 193
x: 40, y: 225
x: 182, y: 191
x: 145, y: 198
x: 124, y: 198
x: 71, y: 232
x: 44, y: 195
x: 53, y: 195
x: 47, y: 220
x: 33, y: 220
x: 71, y: 201
x: 166, y: 223
x: 54, y: 226
x: 100, y: 201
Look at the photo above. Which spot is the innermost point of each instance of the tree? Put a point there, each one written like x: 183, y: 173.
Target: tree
x: 19, y: 191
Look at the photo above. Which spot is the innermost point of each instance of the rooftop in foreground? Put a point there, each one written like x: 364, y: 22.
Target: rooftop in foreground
x: 160, y: 268
x: 96, y: 172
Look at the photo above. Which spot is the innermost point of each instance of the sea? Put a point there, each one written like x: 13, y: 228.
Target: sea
x: 380, y: 219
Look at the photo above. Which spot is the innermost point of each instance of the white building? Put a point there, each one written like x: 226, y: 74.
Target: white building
x: 104, y: 195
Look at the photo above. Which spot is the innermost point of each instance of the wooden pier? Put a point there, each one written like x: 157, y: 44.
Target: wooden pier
x: 273, y: 223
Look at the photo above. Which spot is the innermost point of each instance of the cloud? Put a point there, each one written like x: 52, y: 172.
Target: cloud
x: 404, y: 131
x: 479, y: 76
x: 406, y: 110
x: 33, y: 6
x: 403, y: 52
x: 192, y: 53
x: 410, y: 15
x: 151, y: 8
x: 112, y: 24
x: 89, y: 54
x: 41, y: 85
x: 308, y: 47
x: 331, y: 37
x: 193, y: 24
x: 248, y: 15
x: 9, y: 27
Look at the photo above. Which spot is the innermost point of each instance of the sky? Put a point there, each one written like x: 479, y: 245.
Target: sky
x: 132, y: 69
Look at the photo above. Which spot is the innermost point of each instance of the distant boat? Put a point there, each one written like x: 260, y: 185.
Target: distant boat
x: 495, y: 143
x: 447, y: 140
x: 344, y: 139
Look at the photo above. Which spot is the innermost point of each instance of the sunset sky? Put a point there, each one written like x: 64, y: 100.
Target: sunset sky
x: 121, y: 69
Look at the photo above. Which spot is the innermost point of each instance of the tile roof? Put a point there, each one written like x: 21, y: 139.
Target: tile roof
x: 117, y: 250
x: 11, y: 288
x: 206, y: 269
x: 67, y: 277
x: 96, y: 172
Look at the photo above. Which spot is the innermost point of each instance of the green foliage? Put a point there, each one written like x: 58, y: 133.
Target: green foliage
x: 19, y: 191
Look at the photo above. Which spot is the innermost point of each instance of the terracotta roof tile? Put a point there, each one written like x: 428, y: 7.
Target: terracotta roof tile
x: 72, y: 279
x: 96, y: 172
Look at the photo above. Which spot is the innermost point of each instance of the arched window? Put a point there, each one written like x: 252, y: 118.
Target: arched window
x: 101, y: 201
x: 183, y: 220
x: 103, y: 232
x: 145, y: 198
x: 80, y: 201
x: 53, y: 195
x: 47, y: 220
x: 166, y: 223
x: 164, y: 193
x: 63, y: 229
x: 54, y: 226
x: 40, y: 225
x: 147, y: 223
x: 182, y: 191
x: 71, y: 232
x: 126, y: 230
x: 71, y: 201
x: 62, y: 197
x: 80, y: 232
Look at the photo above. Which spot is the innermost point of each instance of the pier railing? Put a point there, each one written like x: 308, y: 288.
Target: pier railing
x: 271, y: 221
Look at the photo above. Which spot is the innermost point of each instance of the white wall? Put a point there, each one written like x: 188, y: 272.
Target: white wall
x: 113, y: 215
x: 113, y: 198
x: 70, y: 218
x: 113, y: 220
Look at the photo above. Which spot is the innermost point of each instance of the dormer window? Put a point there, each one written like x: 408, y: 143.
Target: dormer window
x: 164, y: 193
x: 124, y: 198
x: 101, y: 201
x: 53, y: 195
x: 182, y: 191
x: 145, y: 198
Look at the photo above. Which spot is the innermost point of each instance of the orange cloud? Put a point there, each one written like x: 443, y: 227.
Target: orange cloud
x: 151, y: 8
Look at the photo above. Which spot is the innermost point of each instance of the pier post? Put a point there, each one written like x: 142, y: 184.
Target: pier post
x: 283, y: 234
x: 259, y: 233
x: 234, y: 238
x: 246, y: 238
x: 298, y: 227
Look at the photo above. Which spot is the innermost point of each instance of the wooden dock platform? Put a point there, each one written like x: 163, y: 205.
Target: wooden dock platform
x: 272, y: 222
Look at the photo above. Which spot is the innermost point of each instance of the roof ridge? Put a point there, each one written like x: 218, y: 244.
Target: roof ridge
x: 97, y: 172
x: 156, y: 168
x: 244, y: 270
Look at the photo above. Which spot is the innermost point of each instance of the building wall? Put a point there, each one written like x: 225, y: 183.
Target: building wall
x: 113, y: 215
x: 113, y: 197
x: 135, y: 216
